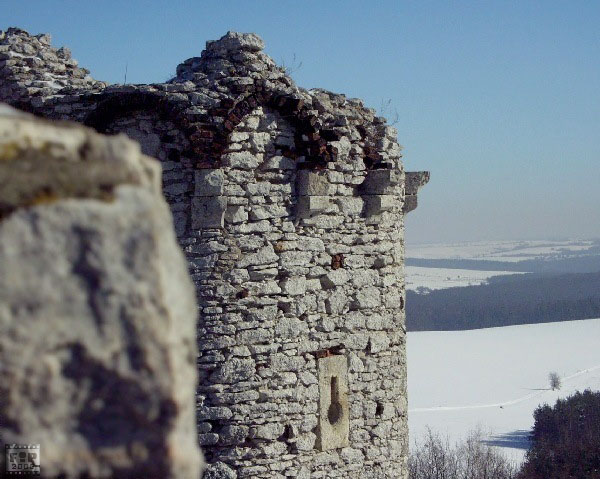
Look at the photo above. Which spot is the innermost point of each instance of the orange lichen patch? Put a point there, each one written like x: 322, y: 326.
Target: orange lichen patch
x: 9, y: 151
x: 43, y: 197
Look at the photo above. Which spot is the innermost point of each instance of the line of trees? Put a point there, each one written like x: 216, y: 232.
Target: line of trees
x: 505, y: 301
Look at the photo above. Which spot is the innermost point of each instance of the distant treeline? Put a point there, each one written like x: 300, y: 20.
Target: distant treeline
x: 505, y: 301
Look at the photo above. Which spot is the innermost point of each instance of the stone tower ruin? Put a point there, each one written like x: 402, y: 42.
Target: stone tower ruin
x: 289, y: 205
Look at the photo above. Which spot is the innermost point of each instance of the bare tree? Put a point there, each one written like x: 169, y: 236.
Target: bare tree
x: 290, y: 67
x: 554, y: 379
x: 387, y: 110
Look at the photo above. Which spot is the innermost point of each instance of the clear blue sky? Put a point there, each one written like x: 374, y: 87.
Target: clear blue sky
x: 499, y: 100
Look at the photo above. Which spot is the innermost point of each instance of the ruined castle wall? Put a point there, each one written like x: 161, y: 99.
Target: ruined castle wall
x: 161, y: 139
x: 289, y: 206
x: 30, y: 69
x: 306, y: 268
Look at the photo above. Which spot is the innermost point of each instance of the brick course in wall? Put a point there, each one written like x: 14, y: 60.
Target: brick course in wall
x: 289, y: 205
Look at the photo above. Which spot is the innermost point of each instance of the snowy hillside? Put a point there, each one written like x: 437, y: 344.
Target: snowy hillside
x: 421, y: 279
x: 495, y: 378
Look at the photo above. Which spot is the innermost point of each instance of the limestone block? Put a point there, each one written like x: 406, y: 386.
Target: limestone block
x: 306, y: 442
x: 234, y: 370
x: 208, y: 212
x: 382, y: 182
x: 379, y: 342
x: 243, y: 160
x: 215, y: 413
x: 279, y: 163
x: 219, y: 470
x: 334, y: 413
x: 313, y: 183
x: 294, y: 286
x: 176, y: 189
x: 262, y: 226
x: 368, y: 298
x: 208, y: 182
x: 233, y: 41
x: 337, y: 302
x: 290, y: 328
x: 341, y: 148
x: 376, y: 204
x: 97, y: 311
x: 236, y: 214
x: 238, y: 137
x: 310, y: 205
x: 350, y: 205
x: 233, y: 435
x: 367, y: 277
x: 268, y: 212
x: 289, y: 259
x: 269, y: 431
x: 335, y: 278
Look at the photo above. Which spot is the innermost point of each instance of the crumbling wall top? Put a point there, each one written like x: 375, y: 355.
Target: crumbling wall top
x: 30, y: 66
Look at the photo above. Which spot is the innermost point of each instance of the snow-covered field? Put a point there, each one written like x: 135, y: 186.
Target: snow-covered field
x: 509, y: 251
x: 495, y: 378
x: 421, y: 279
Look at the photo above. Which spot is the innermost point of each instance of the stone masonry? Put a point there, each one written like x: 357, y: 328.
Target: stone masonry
x: 97, y: 309
x: 289, y: 206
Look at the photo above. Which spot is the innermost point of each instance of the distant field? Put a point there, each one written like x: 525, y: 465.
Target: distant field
x: 505, y: 251
x: 424, y: 280
x: 573, y: 256
x: 494, y: 378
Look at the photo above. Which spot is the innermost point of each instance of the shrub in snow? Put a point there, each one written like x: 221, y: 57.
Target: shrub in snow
x: 435, y: 458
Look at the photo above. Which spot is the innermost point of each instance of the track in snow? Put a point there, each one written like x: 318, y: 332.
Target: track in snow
x: 506, y: 403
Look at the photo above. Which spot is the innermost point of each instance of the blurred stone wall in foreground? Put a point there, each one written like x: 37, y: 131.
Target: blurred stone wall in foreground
x: 97, y: 310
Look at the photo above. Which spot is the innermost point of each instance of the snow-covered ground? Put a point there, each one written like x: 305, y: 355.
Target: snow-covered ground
x: 495, y: 378
x: 422, y: 279
x: 509, y: 251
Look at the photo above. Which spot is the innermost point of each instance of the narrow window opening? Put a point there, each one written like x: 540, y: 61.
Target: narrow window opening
x: 335, y: 412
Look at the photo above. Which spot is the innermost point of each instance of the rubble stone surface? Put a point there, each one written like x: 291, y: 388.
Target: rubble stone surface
x: 97, y: 310
x: 289, y: 204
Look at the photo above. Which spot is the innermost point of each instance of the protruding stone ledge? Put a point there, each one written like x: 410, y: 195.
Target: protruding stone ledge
x: 413, y: 182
